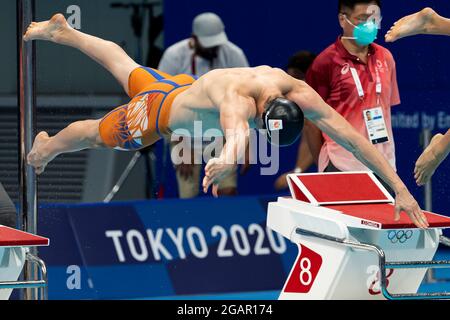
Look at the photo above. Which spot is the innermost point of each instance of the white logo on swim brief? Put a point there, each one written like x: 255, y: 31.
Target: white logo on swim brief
x: 345, y: 69
x: 137, y: 119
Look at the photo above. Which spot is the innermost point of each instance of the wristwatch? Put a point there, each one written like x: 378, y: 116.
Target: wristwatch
x: 298, y: 170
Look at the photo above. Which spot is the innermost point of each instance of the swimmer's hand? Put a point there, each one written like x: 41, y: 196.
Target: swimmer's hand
x: 404, y: 201
x: 429, y: 161
x: 215, y: 171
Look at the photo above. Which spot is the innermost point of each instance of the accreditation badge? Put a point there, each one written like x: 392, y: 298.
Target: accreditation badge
x: 376, y: 125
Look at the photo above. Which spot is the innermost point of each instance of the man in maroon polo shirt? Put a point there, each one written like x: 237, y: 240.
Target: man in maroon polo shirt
x: 357, y: 78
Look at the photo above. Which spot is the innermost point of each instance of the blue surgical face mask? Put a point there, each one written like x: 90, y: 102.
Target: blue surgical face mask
x: 364, y: 33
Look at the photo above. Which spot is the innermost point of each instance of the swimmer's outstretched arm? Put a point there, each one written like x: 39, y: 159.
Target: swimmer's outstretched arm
x: 77, y: 136
x: 431, y: 158
x: 335, y: 126
x: 235, y: 112
x: 111, y: 56
x: 426, y: 21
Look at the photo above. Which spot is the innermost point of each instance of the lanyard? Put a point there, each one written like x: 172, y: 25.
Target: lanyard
x: 359, y: 87
x: 194, y: 65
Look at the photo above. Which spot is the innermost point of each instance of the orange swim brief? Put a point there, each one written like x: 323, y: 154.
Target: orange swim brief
x: 144, y: 120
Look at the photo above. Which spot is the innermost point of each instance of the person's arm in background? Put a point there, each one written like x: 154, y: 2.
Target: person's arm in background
x: 432, y: 157
x: 304, y: 161
x: 304, y: 156
x: 312, y: 140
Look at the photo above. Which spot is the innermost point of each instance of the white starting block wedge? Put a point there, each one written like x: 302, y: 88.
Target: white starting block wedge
x: 14, y: 252
x: 350, y: 247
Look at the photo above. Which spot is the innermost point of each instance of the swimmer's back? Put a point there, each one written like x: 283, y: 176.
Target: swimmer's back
x: 247, y: 81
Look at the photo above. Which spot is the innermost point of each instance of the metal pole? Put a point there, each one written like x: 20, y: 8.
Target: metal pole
x: 427, y: 135
x: 428, y: 196
x: 123, y: 177
x: 27, y: 103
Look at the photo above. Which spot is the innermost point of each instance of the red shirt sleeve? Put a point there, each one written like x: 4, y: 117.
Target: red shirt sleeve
x: 318, y: 77
x: 395, y: 94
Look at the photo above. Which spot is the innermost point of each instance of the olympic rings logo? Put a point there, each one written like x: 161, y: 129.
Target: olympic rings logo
x: 400, y: 236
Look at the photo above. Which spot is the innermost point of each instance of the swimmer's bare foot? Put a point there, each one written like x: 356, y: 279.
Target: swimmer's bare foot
x: 37, y: 158
x: 50, y: 30
x: 428, y: 162
x: 417, y: 23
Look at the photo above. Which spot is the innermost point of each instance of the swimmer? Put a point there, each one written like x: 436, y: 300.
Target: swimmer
x: 232, y: 100
x: 432, y: 157
x: 426, y: 21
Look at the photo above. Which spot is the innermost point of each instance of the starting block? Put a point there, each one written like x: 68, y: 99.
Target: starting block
x: 350, y: 246
x: 14, y: 252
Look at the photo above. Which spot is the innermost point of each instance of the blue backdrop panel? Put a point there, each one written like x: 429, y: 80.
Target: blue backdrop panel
x: 269, y: 32
x: 64, y: 251
x: 164, y: 249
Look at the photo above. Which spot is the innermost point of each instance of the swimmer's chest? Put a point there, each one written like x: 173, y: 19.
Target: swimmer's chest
x: 200, y: 122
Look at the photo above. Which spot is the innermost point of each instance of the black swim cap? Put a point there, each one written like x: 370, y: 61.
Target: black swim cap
x: 284, y: 118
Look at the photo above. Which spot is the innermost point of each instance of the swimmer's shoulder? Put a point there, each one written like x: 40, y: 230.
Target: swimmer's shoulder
x: 266, y: 68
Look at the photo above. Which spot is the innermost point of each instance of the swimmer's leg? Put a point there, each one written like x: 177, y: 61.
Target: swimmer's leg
x: 77, y: 136
x: 107, y: 53
x: 125, y: 128
x: 426, y: 21
x: 432, y: 157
